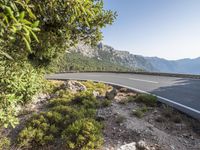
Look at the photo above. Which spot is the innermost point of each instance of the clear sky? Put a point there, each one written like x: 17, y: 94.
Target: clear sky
x: 165, y: 28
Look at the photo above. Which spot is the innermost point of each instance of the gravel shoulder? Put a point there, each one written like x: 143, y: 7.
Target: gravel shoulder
x: 155, y: 128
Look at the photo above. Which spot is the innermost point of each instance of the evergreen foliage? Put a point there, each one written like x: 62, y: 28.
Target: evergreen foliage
x: 70, y: 118
x: 78, y: 62
x: 34, y: 34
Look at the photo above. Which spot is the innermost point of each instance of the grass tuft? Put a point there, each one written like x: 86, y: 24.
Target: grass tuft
x: 140, y: 112
x: 147, y: 99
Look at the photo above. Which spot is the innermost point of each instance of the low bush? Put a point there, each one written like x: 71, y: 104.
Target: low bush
x: 106, y: 103
x: 132, y: 98
x: 99, y: 87
x: 177, y: 119
x: 120, y: 119
x: 124, y: 101
x: 4, y: 143
x: 160, y: 119
x: 168, y: 112
x: 139, y: 112
x: 60, y: 101
x: 53, y: 85
x: 34, y: 137
x: 147, y: 99
x: 86, y: 100
x: 61, y: 116
x: 84, y: 134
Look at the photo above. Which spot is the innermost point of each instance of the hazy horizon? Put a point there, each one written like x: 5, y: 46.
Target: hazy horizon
x: 166, y: 29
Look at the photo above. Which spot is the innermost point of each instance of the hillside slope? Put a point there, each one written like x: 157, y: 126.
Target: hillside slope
x: 124, y: 59
x: 77, y: 62
x: 110, y: 55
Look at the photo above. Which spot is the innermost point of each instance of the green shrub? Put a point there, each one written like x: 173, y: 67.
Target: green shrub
x: 59, y: 101
x: 99, y: 87
x: 120, y: 119
x: 51, y: 86
x: 54, y: 117
x: 86, y: 100
x: 132, y: 98
x: 124, y: 101
x: 168, y: 112
x: 8, y: 111
x: 29, y: 136
x: 177, y: 119
x: 53, y: 129
x: 139, y: 112
x: 84, y: 134
x: 27, y: 54
x: 88, y: 113
x: 147, y: 99
x: 62, y: 113
x: 106, y: 103
x: 160, y: 119
x: 4, y: 143
x: 40, y: 130
x: 18, y: 84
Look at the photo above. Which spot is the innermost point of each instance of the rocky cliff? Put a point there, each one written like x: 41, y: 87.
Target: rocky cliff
x: 109, y: 54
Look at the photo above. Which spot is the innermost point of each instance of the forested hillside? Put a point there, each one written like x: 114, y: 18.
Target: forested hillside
x: 78, y: 62
x: 108, y: 54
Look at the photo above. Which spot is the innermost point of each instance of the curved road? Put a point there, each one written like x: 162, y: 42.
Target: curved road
x: 182, y: 93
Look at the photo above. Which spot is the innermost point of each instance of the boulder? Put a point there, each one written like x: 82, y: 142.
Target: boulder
x: 130, y: 146
x: 96, y: 94
x: 141, y: 145
x: 75, y: 86
x: 111, y: 93
x: 124, y: 90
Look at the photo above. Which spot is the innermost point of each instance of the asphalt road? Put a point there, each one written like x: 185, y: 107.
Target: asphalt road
x: 182, y: 93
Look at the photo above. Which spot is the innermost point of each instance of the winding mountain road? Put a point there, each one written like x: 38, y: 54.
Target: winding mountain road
x: 181, y: 93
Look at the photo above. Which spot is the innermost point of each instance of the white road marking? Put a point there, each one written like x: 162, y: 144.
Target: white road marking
x: 143, y: 80
x: 93, y: 75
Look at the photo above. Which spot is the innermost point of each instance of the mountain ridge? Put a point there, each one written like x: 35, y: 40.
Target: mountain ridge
x: 138, y: 62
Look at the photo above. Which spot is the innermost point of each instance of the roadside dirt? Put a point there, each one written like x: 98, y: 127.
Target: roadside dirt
x: 161, y: 127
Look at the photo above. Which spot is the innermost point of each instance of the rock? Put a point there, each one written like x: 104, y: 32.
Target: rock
x: 121, y: 98
x: 96, y: 94
x: 110, y: 94
x: 124, y: 90
x: 100, y: 118
x: 172, y: 147
x: 130, y: 146
x: 141, y: 145
x: 155, y: 112
x: 75, y: 86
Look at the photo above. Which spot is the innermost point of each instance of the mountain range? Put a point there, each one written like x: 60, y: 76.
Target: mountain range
x: 107, y: 53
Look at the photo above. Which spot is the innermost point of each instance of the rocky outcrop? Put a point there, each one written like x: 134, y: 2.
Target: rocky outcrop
x: 109, y: 54
x: 111, y: 93
x: 130, y: 146
x: 75, y: 86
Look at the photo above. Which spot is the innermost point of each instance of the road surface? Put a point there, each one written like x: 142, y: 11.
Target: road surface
x: 182, y: 93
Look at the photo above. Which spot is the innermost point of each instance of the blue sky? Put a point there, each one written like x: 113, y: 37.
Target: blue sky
x: 165, y: 28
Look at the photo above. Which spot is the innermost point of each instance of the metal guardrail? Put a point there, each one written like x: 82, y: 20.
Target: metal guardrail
x: 142, y: 73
